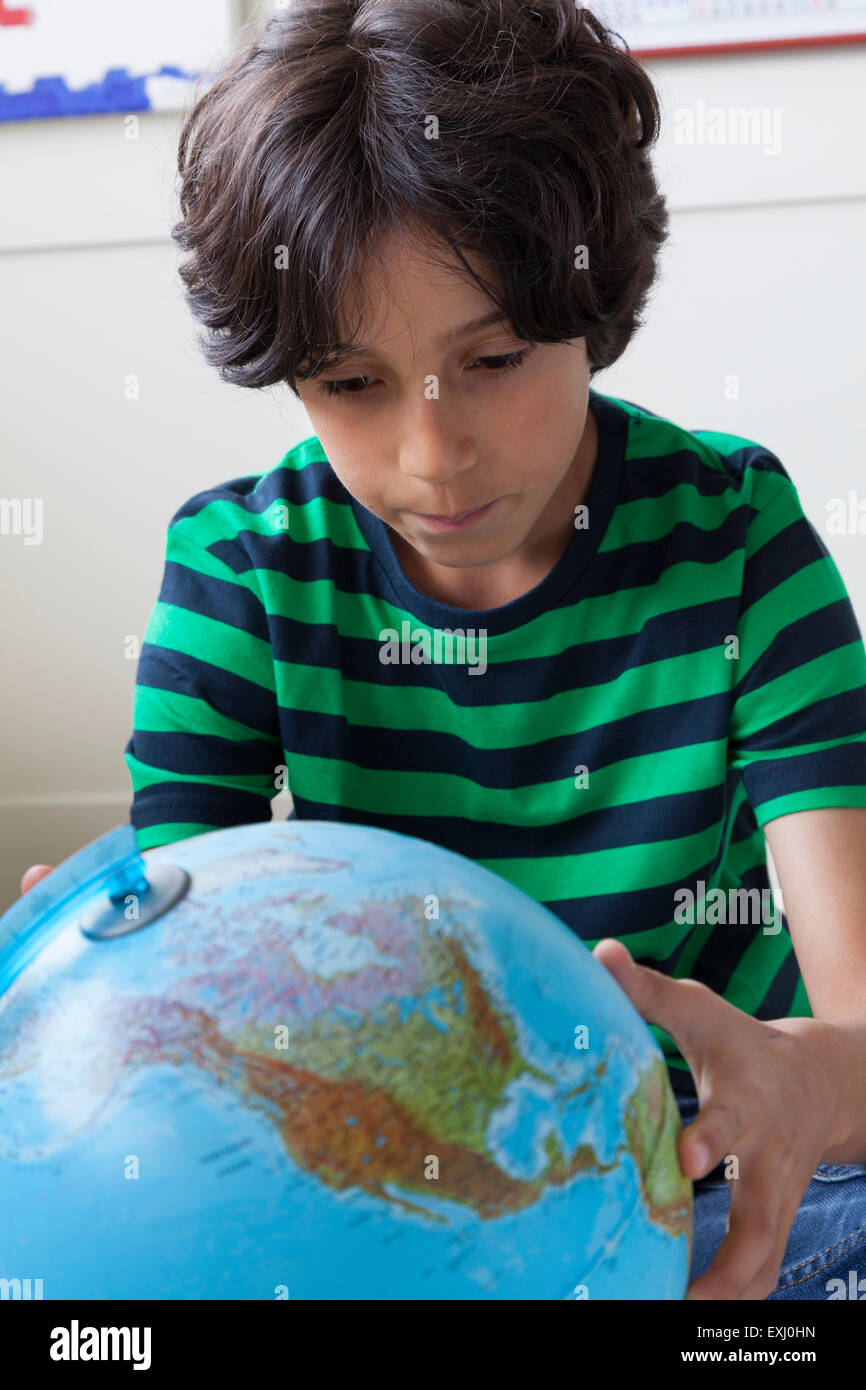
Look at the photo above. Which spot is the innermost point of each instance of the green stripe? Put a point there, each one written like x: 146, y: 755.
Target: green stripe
x: 335, y: 782
x: 309, y: 451
x: 831, y: 673
x: 606, y: 871
x: 650, y: 438
x: 261, y: 783
x: 207, y: 639
x: 723, y: 443
x: 169, y: 831
x: 756, y: 970
x: 569, y: 713
x: 319, y: 519
x: 814, y: 799
x: 808, y: 591
x: 800, y: 1006
x: 771, y: 519
x: 166, y: 711
x: 648, y: 518
x: 682, y: 586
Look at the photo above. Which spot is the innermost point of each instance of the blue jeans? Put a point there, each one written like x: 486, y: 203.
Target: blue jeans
x: 827, y: 1241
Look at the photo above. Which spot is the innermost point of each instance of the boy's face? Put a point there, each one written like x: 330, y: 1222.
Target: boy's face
x: 425, y: 429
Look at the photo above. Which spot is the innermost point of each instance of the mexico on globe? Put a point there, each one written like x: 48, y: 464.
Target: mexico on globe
x: 317, y: 1060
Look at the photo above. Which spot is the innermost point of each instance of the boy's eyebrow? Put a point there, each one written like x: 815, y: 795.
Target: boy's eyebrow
x: 473, y: 326
x: 453, y: 334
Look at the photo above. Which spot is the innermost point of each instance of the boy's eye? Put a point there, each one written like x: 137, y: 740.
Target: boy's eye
x: 497, y: 364
x: 344, y: 388
x: 493, y: 366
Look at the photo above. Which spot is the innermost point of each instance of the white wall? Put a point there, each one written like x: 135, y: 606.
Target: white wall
x: 762, y: 280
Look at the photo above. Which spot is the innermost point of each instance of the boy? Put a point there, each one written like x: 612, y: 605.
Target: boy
x: 435, y: 221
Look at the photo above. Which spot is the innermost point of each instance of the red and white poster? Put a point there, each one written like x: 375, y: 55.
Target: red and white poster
x: 661, y: 28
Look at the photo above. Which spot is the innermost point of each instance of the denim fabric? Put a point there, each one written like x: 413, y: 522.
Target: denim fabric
x: 827, y: 1240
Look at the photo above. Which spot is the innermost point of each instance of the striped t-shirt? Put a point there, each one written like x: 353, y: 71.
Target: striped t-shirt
x: 612, y: 741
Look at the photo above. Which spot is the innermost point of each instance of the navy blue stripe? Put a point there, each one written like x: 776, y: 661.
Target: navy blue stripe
x: 190, y: 802
x: 230, y: 603
x: 525, y: 679
x: 633, y: 566
x: 788, y: 552
x: 816, y: 634
x: 229, y: 694
x: 780, y: 996
x: 202, y: 755
x: 549, y: 760
x: 613, y: 827
x: 831, y: 767
x: 844, y: 714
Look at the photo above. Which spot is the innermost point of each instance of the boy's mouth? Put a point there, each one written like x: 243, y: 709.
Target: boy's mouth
x: 461, y: 520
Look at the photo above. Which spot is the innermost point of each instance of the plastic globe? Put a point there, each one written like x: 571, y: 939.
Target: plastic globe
x: 346, y: 1063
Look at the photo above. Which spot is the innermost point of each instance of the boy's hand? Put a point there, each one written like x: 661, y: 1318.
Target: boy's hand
x: 768, y: 1098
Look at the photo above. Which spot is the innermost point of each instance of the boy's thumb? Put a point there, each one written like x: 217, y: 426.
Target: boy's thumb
x: 34, y: 875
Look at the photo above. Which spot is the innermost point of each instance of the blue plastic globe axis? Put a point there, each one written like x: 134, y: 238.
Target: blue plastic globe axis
x: 136, y: 901
x: 105, y: 884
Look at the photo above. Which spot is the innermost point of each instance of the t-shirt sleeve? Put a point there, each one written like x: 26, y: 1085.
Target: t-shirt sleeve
x: 798, y: 722
x: 205, y: 745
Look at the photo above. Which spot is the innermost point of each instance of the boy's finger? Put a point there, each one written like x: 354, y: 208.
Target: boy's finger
x: 693, y: 1014
x: 709, y: 1138
x: 746, y: 1264
x: 33, y: 875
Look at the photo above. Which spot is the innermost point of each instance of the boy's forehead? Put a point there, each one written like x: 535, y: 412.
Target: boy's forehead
x: 417, y: 284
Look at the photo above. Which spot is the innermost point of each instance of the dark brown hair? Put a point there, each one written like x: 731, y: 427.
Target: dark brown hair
x: 314, y: 140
